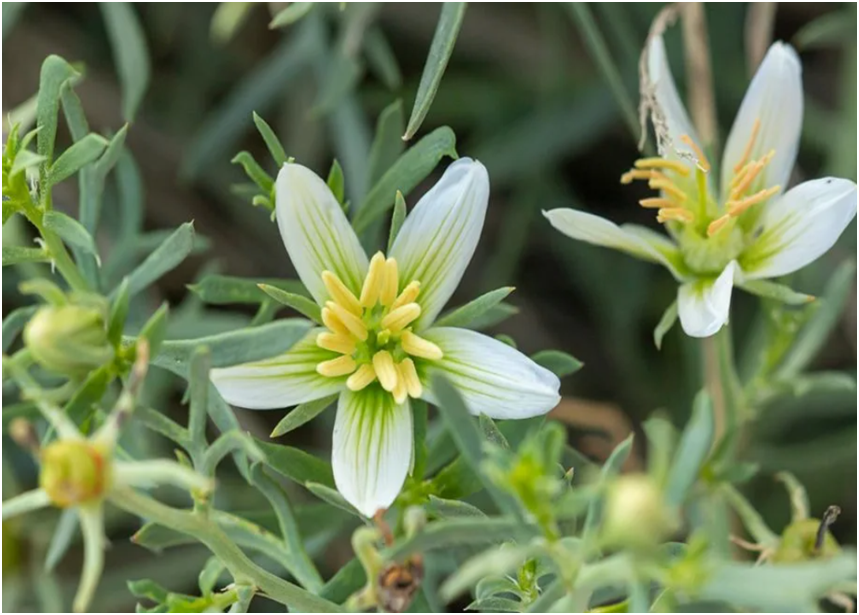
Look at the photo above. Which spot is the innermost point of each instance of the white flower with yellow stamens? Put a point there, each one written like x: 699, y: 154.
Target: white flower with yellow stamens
x: 378, y: 344
x: 747, y: 230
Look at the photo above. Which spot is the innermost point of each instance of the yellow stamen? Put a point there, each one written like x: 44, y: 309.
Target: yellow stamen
x: 738, y: 177
x: 385, y: 369
x: 419, y: 347
x: 340, y: 294
x: 401, y: 317
x: 373, y: 282
x: 675, y: 213
x: 390, y: 283
x: 336, y: 342
x: 699, y: 153
x: 632, y: 174
x: 668, y: 186
x: 717, y: 225
x: 750, y: 173
x: 361, y: 378
x: 748, y: 150
x: 330, y: 320
x: 656, y: 203
x: 662, y: 163
x: 354, y: 324
x: 337, y: 367
x: 409, y: 294
x: 400, y: 391
x: 735, y: 208
x: 410, y: 376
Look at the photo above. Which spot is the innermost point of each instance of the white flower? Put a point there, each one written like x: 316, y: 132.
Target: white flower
x: 78, y: 474
x: 748, y: 228
x: 378, y: 346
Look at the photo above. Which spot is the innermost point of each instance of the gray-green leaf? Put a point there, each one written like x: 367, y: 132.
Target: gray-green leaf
x: 130, y: 53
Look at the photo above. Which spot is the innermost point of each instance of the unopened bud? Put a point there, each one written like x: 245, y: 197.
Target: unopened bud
x: 636, y: 514
x: 68, y: 339
x: 799, y: 543
x: 74, y: 472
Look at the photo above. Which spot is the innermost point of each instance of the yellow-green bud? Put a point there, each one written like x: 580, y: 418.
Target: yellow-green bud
x: 636, y: 515
x: 68, y: 339
x: 797, y: 543
x: 74, y: 472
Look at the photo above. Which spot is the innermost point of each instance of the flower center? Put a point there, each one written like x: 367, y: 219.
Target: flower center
x: 685, y: 201
x: 372, y: 332
x: 73, y: 472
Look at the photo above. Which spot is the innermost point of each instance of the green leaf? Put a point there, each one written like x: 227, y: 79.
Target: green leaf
x: 297, y: 465
x: 166, y: 257
x: 336, y: 182
x: 831, y: 29
x: 228, y: 18
x: 494, y: 316
x: 383, y: 62
x: 83, y: 403
x: 491, y: 433
x: 465, y: 315
x: 198, y: 383
x: 71, y: 231
x: 456, y: 532
x: 145, y: 588
x: 118, y: 314
x: 559, y: 363
x: 234, y: 441
x: 170, y: 429
x: 349, y: 579
x: 669, y: 317
x: 224, y: 290
x: 773, y: 290
x: 56, y: 73
x: 446, y: 31
x: 407, y: 172
x: 333, y: 497
x: 692, y: 450
x: 209, y: 575
x: 271, y: 141
x: 155, y: 329
x: 254, y: 171
x: 13, y: 255
x: 15, y: 321
x: 387, y: 145
x: 235, y: 347
x: 441, y: 507
x: 290, y: 14
x: 661, y: 439
x: 300, y: 304
x: 302, y: 414
x: 500, y: 561
x: 816, y: 331
x: 24, y: 159
x: 610, y: 468
x: 64, y: 534
x: 77, y: 156
x: 397, y: 219
x: 419, y: 422
x: 130, y: 54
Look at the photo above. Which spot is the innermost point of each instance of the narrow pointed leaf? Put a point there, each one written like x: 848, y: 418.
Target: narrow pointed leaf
x: 290, y: 14
x: 224, y: 290
x: 397, y: 219
x: 130, y: 53
x: 692, y: 450
x: 669, y: 317
x: 300, y: 304
x: 13, y: 255
x: 773, y: 290
x: 559, y: 363
x: 297, y: 465
x: 71, y: 231
x: 273, y: 144
x: 467, y: 314
x: 166, y: 257
x: 302, y: 414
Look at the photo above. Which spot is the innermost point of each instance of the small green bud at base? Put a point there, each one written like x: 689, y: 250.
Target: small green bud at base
x: 69, y: 339
x: 636, y: 515
x: 74, y: 472
x: 797, y: 543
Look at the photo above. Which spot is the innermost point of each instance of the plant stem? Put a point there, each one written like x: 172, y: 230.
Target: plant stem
x: 723, y: 384
x: 244, y: 571
x: 66, y: 266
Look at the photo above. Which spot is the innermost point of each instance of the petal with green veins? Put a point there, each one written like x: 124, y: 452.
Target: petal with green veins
x: 704, y: 304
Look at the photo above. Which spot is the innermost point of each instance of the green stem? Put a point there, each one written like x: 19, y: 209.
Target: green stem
x: 66, y: 266
x: 244, y: 571
x: 723, y: 384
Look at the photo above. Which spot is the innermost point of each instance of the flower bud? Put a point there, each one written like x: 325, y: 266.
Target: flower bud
x: 798, y: 543
x: 74, y: 472
x: 636, y: 515
x: 68, y: 339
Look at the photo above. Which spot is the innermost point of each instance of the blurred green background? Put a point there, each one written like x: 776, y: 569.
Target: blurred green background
x: 523, y: 95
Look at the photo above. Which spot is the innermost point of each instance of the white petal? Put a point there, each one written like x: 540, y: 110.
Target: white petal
x: 279, y: 382
x: 316, y: 233
x: 493, y: 378
x: 372, y: 448
x: 673, y: 110
x: 704, y: 304
x: 438, y: 238
x: 775, y: 99
x: 635, y: 240
x: 799, y: 226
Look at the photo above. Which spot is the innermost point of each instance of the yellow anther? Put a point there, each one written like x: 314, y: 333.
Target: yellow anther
x: 361, y: 378
x: 662, y: 163
x: 632, y: 174
x: 386, y: 371
x: 410, y: 376
x: 749, y: 176
x: 748, y: 150
x: 340, y: 294
x: 390, y: 283
x: 337, y: 367
x: 401, y: 317
x: 419, y: 347
x: 336, y: 342
x: 409, y: 294
x: 400, y: 391
x: 675, y: 213
x: 373, y: 282
x: 735, y: 208
x: 354, y: 324
x: 656, y: 203
x: 668, y: 186
x: 330, y: 320
x: 718, y: 224
x: 739, y: 175
x: 703, y: 163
